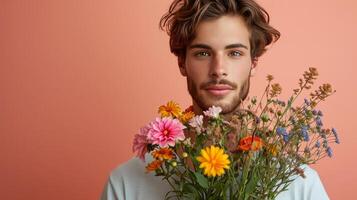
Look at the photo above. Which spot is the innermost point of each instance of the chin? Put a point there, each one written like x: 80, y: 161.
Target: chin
x: 226, y: 105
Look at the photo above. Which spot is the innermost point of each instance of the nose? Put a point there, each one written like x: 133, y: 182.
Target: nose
x: 218, y: 66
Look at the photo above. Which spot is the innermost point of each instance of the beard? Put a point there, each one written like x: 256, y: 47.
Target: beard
x: 227, y: 108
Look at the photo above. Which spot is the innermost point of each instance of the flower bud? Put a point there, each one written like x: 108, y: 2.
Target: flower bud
x: 184, y: 154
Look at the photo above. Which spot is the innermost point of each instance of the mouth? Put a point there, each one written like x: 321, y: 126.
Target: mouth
x: 219, y: 90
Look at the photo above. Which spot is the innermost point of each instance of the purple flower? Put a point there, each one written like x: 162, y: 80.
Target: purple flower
x: 257, y: 120
x: 317, y: 145
x: 329, y: 152
x: 307, y: 102
x: 334, y: 131
x: 280, y: 130
x: 318, y: 121
x: 314, y: 112
x: 286, y: 138
x: 337, y: 140
x: 304, y: 132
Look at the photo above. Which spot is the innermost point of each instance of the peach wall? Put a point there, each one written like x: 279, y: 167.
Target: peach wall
x: 78, y: 78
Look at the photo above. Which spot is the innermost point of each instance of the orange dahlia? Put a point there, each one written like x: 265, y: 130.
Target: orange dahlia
x: 154, y: 165
x: 163, y: 153
x: 186, y: 116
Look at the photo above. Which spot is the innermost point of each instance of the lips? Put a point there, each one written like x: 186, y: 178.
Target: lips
x: 219, y: 90
x: 219, y: 87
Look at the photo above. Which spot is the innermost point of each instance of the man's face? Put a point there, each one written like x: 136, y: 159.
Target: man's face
x: 218, y: 64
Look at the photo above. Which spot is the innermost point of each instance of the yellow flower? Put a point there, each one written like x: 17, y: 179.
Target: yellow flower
x: 213, y: 160
x: 274, y: 149
x: 170, y: 109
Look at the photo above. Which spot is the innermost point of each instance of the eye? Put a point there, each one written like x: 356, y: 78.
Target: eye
x: 235, y: 53
x: 201, y: 54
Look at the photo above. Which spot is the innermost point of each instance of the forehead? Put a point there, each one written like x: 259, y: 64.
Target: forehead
x: 222, y: 31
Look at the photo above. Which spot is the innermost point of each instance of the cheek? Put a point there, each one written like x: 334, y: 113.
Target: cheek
x: 240, y: 74
x: 196, y: 73
x: 194, y: 81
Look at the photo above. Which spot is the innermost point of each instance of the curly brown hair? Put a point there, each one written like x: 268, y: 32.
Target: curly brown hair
x: 183, y: 17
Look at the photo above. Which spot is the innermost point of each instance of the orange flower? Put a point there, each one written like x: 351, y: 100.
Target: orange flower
x: 154, y: 165
x: 170, y: 109
x: 163, y: 153
x: 186, y: 116
x: 253, y: 143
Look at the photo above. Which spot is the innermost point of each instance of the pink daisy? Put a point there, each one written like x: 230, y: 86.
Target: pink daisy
x: 166, y: 131
x: 140, y: 142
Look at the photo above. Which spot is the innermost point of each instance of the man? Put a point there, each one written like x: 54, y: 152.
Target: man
x: 217, y: 43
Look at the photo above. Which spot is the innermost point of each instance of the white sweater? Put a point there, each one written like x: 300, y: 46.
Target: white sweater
x: 130, y: 182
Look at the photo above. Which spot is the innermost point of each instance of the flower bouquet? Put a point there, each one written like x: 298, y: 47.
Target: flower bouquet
x: 253, y: 154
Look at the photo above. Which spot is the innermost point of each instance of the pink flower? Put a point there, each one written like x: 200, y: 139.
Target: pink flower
x: 140, y: 142
x: 197, y: 123
x: 166, y: 131
x: 213, y: 112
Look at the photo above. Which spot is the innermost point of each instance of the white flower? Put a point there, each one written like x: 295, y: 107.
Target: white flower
x: 213, y: 112
x: 187, y: 142
x: 197, y: 122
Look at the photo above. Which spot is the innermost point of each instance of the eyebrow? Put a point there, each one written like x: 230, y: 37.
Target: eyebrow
x: 231, y: 46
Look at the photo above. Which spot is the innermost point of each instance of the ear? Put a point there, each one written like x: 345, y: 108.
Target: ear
x: 254, y: 66
x: 182, y: 67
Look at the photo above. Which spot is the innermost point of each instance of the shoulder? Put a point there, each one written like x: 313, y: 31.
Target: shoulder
x: 309, y: 187
x: 311, y: 176
x: 130, y: 168
x: 311, y: 181
x: 130, y: 181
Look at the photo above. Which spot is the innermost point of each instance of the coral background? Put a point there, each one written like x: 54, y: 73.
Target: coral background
x: 78, y: 79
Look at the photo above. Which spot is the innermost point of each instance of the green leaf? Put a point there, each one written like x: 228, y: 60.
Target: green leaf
x: 190, y: 196
x: 201, y: 180
x: 252, y: 184
x: 190, y: 192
